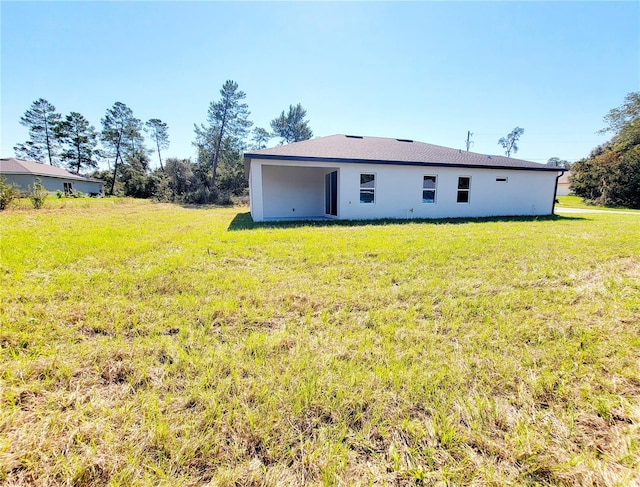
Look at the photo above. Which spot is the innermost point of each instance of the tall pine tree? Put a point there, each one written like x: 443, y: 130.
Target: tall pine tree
x: 158, y: 131
x: 40, y: 119
x: 121, y: 134
x: 79, y: 140
x: 228, y: 125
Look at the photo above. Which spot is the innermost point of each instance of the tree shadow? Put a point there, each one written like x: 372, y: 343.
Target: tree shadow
x: 243, y: 221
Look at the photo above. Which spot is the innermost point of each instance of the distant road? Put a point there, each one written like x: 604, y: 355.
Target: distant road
x: 586, y: 210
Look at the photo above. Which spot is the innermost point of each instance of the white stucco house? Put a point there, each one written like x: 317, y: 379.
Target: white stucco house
x: 23, y: 174
x: 353, y: 177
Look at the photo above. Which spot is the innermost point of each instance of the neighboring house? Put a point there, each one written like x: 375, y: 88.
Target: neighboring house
x: 563, y: 184
x: 351, y: 178
x: 23, y: 174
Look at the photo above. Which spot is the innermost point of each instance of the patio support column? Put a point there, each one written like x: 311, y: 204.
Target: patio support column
x: 255, y: 191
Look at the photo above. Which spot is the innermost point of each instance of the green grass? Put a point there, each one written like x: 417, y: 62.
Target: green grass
x: 572, y: 201
x: 151, y: 344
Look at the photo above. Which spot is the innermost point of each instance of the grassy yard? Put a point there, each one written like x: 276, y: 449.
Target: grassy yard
x: 151, y: 344
x: 572, y: 201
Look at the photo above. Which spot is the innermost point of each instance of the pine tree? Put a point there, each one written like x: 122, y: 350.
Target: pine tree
x: 79, y: 140
x: 158, y: 131
x: 228, y: 125
x: 121, y: 133
x: 260, y: 137
x: 292, y: 127
x: 509, y: 143
x: 40, y: 119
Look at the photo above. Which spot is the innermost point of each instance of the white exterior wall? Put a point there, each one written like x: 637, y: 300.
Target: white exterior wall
x: 25, y: 183
x: 289, y: 184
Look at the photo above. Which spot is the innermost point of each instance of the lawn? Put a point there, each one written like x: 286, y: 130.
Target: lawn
x: 571, y: 201
x: 152, y: 344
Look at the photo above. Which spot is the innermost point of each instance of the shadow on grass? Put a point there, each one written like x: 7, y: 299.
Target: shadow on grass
x: 243, y: 221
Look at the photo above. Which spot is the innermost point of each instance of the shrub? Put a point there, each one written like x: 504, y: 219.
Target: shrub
x: 8, y: 193
x: 224, y: 198
x: 38, y: 194
x: 59, y: 194
x: 201, y: 196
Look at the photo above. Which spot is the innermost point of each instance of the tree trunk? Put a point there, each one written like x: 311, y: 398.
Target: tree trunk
x: 79, y: 153
x: 159, y: 156
x: 216, y: 154
x: 115, y: 167
x: 46, y: 134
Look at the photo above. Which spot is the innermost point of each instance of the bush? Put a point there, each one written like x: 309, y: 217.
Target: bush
x: 59, y: 194
x: 38, y: 194
x: 224, y: 198
x: 8, y: 193
x: 201, y: 196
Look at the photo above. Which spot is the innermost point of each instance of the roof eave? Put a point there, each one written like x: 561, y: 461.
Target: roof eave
x: 249, y: 156
x: 74, y: 177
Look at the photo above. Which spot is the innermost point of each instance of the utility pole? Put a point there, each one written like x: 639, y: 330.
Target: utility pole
x: 468, y: 141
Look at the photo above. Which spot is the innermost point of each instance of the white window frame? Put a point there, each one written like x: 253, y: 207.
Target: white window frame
x: 434, y: 189
x: 372, y: 190
x: 463, y: 190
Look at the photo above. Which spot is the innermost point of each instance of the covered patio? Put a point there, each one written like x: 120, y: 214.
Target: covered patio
x: 295, y: 192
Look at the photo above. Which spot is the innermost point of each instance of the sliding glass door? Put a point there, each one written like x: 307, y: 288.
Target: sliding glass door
x: 331, y: 193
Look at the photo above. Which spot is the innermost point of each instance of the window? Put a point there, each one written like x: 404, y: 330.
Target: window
x: 502, y: 180
x: 464, y: 184
x: 429, y: 189
x: 367, y: 188
x: 68, y: 188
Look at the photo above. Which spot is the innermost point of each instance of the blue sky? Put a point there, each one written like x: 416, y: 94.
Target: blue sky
x: 427, y: 71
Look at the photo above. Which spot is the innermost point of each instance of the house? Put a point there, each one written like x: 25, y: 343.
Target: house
x: 564, y: 183
x: 352, y: 177
x: 23, y: 174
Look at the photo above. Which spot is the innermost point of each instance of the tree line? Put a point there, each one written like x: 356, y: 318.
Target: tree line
x: 220, y: 142
x: 610, y: 176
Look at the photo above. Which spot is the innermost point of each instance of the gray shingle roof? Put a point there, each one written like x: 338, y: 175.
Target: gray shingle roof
x: 12, y: 165
x: 381, y: 150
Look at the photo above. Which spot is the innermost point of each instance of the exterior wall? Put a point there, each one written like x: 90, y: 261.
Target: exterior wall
x: 563, y: 184
x: 255, y: 191
x: 24, y: 182
x: 398, y: 191
x: 563, y: 189
x: 88, y: 187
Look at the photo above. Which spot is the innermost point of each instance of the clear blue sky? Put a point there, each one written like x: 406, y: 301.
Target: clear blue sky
x: 427, y: 71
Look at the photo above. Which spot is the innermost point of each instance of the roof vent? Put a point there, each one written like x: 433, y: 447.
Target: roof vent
x: 404, y: 140
x: 488, y: 157
x: 353, y: 136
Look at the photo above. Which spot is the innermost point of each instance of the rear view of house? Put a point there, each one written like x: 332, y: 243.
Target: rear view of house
x: 354, y: 177
x: 23, y: 174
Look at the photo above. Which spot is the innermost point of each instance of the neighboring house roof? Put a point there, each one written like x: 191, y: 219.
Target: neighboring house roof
x: 381, y: 150
x: 12, y: 165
